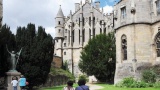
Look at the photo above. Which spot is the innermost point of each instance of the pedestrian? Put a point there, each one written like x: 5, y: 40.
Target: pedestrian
x: 82, y: 85
x: 14, y: 83
x: 69, y: 86
x: 22, y: 82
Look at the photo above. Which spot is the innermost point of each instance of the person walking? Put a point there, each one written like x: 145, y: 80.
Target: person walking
x: 14, y: 83
x: 69, y: 86
x: 22, y: 82
x: 82, y: 85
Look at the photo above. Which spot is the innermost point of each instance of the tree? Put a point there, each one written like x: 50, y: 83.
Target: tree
x: 37, y: 54
x: 6, y: 38
x: 98, y: 57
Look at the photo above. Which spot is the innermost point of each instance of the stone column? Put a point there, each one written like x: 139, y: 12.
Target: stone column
x: 10, y: 75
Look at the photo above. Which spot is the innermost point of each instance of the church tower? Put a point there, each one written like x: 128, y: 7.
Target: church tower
x: 59, y: 30
x: 72, y: 32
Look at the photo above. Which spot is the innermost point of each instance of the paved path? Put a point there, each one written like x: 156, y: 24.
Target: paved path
x: 94, y: 87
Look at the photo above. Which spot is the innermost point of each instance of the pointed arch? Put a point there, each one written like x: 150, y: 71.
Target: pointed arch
x: 83, y: 34
x: 104, y: 30
x: 124, y: 46
x: 94, y: 32
x: 100, y: 31
x: 89, y: 33
x: 157, y: 42
x: 69, y: 37
x: 79, y: 36
x: 72, y: 35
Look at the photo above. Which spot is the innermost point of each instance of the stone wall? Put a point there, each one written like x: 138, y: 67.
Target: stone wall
x: 56, y: 80
x: 130, y: 70
x: 57, y: 62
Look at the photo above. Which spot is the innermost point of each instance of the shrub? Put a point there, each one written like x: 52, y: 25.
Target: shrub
x: 149, y: 76
x: 157, y: 85
x: 131, y: 83
x: 128, y: 82
x: 84, y: 77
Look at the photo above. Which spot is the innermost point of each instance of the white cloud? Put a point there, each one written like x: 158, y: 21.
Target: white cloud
x: 39, y: 12
x: 108, y: 9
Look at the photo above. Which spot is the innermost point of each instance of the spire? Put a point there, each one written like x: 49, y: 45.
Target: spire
x: 70, y: 12
x: 60, y: 13
x: 71, y: 15
x: 91, y: 8
x: 81, y: 3
x: 102, y: 9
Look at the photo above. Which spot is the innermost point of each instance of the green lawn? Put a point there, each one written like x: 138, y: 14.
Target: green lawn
x: 106, y: 87
x: 57, y: 87
x: 111, y: 87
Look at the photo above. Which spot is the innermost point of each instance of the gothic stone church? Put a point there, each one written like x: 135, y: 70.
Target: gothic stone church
x: 136, y: 25
x: 74, y: 31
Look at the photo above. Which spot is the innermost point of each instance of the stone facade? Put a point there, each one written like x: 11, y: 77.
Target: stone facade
x: 137, y: 32
x: 74, y: 31
x: 137, y: 26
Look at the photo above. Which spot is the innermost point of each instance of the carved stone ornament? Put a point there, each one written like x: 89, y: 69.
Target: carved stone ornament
x: 133, y: 10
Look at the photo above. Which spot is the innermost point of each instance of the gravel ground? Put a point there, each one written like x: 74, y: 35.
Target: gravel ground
x: 94, y: 87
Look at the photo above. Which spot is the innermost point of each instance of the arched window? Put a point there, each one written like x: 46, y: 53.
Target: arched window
x: 83, y: 20
x: 94, y: 21
x: 69, y: 36
x: 79, y: 36
x: 89, y: 20
x: 72, y: 35
x: 158, y: 7
x: 104, y: 30
x: 64, y: 53
x: 93, y: 32
x: 124, y: 47
x: 59, y: 22
x: 83, y: 35
x: 79, y: 21
x: 157, y: 40
x: 100, y: 31
x: 89, y: 33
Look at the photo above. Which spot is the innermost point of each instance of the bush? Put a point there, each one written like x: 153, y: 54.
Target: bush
x: 157, y: 85
x: 57, y: 71
x: 84, y: 77
x: 149, y: 76
x: 131, y: 83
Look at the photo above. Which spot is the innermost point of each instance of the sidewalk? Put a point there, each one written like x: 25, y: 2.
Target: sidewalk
x: 94, y: 87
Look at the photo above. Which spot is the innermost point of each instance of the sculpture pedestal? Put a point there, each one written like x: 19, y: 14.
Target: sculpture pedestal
x: 10, y: 75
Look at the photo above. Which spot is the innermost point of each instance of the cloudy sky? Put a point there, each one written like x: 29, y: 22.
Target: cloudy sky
x: 40, y: 12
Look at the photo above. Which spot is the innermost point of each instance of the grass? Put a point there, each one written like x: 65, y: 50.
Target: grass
x: 112, y: 87
x: 105, y: 87
x: 57, y: 87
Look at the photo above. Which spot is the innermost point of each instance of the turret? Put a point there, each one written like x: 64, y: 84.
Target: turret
x: 97, y: 5
x: 59, y: 23
x: 77, y: 6
x: 102, y: 23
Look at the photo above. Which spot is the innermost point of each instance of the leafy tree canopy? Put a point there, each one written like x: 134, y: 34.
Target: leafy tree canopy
x: 98, y: 57
x: 6, y: 38
x: 37, y: 53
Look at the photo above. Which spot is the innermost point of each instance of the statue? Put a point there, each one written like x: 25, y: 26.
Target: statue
x: 14, y: 59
